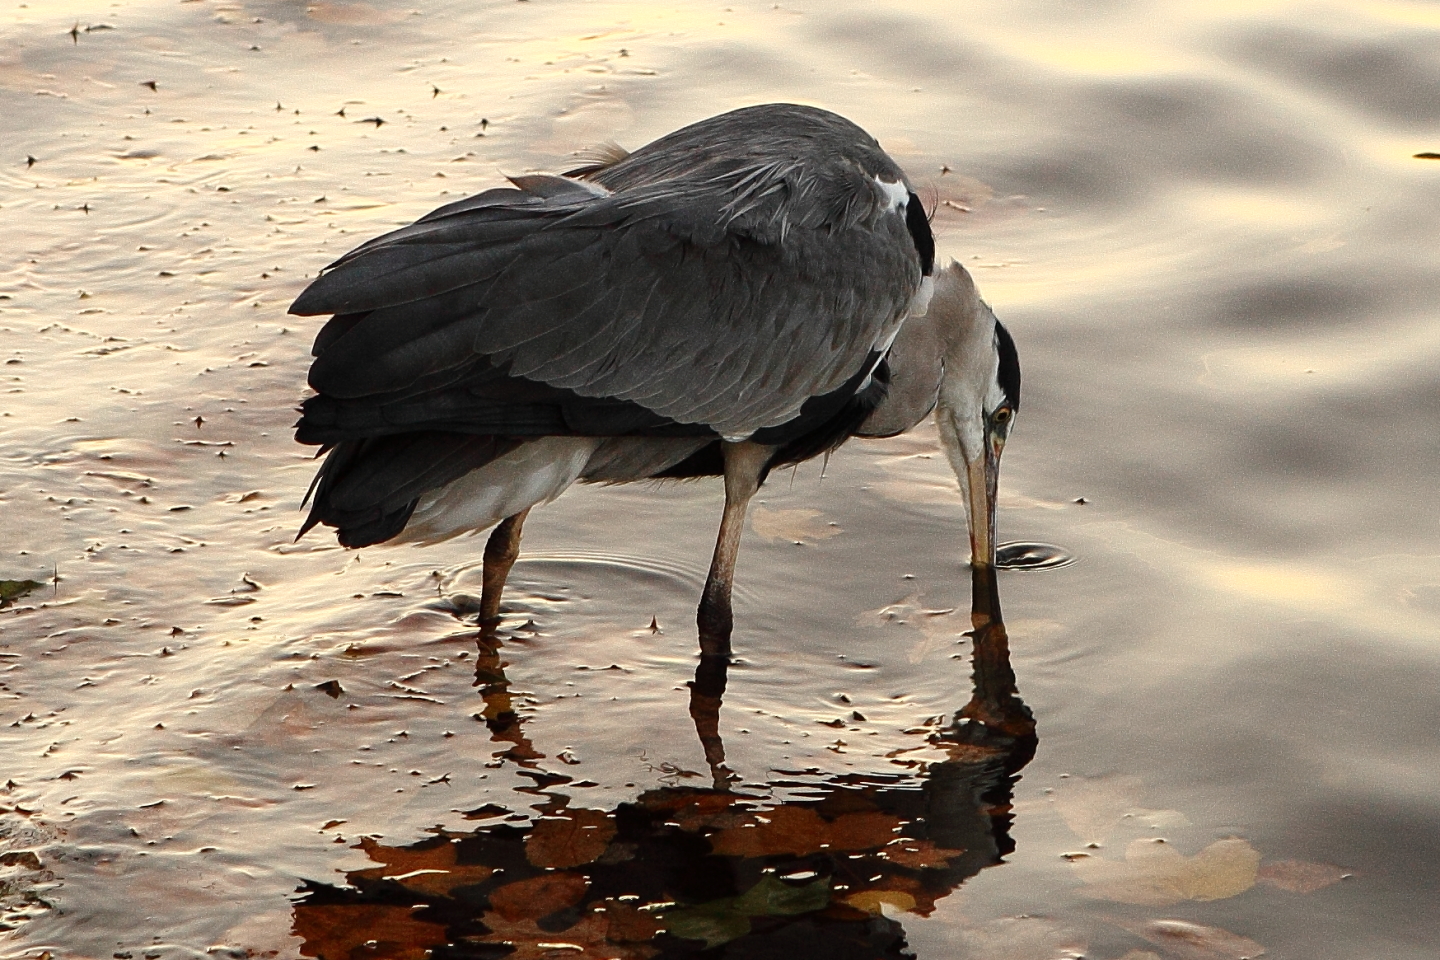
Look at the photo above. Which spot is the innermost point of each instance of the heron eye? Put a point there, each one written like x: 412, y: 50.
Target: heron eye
x: 1002, y: 416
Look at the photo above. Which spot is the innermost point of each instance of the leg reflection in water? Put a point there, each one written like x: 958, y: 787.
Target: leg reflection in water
x: 729, y: 871
x: 707, y: 691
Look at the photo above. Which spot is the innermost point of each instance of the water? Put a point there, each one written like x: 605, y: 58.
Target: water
x: 1206, y: 228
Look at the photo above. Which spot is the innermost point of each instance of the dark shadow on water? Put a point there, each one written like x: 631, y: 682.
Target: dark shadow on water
x: 717, y: 872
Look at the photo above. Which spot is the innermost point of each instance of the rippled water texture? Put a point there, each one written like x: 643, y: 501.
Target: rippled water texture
x: 1205, y: 226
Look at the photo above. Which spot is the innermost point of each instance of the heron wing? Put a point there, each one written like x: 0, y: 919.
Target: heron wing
x: 726, y: 298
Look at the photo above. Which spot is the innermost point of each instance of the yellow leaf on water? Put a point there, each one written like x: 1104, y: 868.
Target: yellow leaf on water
x: 802, y: 524
x: 1156, y: 874
x: 873, y: 901
x: 1092, y: 808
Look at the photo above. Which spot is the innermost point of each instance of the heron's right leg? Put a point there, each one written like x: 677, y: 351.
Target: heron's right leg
x: 501, y: 550
x: 744, y: 466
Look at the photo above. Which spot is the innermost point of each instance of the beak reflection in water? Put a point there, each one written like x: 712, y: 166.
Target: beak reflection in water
x: 723, y: 870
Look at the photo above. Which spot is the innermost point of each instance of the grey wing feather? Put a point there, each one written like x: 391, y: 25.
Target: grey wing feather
x: 723, y: 295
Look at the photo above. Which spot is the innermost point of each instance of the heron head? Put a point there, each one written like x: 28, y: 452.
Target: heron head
x: 979, y: 398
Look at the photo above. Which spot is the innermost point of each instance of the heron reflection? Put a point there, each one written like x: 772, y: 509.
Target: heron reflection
x: 723, y: 870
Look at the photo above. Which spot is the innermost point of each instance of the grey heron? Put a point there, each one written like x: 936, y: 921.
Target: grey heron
x: 747, y: 292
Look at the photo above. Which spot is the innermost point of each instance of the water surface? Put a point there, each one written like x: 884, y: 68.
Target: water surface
x: 1207, y: 230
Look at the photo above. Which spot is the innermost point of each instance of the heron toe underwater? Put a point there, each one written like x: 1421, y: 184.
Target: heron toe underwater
x: 745, y: 293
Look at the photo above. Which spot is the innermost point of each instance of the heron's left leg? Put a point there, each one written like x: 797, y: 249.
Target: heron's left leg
x: 744, y: 466
x: 501, y: 550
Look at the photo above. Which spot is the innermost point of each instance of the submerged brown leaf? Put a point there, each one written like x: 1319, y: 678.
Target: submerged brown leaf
x: 628, y: 923
x: 695, y: 812
x: 569, y: 838
x: 585, y: 940
x: 918, y: 854
x: 373, y: 930
x: 800, y: 830
x: 431, y: 870
x: 538, y: 896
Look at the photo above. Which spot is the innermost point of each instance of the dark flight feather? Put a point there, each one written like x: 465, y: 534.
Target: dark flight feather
x: 731, y: 279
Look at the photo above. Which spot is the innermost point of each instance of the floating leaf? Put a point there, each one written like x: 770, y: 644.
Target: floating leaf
x: 538, y: 896
x: 569, y: 838
x: 918, y: 490
x: 934, y: 630
x: 792, y: 525
x: 1297, y: 876
x: 1156, y: 874
x: 1092, y: 808
x: 1019, y: 938
x: 1192, y: 941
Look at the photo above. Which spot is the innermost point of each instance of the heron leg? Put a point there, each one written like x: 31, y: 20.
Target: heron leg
x: 744, y: 466
x: 501, y: 550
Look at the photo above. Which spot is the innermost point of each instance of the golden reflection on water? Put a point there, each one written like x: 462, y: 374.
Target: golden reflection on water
x: 1178, y: 209
x: 689, y: 866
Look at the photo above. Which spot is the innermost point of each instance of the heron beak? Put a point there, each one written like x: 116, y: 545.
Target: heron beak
x: 982, y: 474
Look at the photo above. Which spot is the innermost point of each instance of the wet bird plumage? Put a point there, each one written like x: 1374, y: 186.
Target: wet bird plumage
x: 741, y: 279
